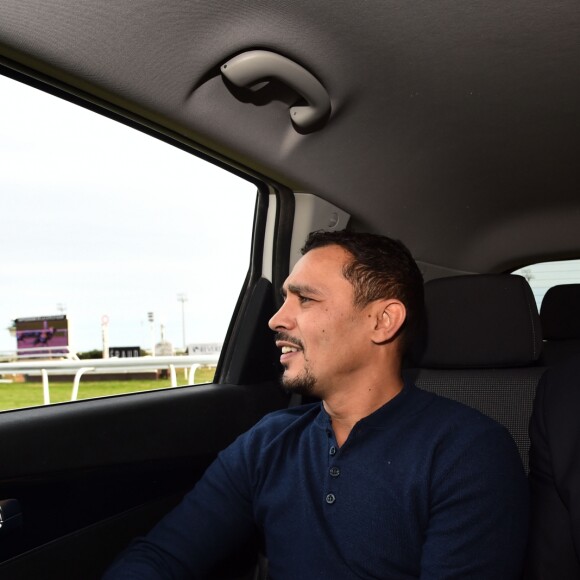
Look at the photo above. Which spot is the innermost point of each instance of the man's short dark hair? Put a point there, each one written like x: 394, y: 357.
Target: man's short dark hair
x: 380, y: 268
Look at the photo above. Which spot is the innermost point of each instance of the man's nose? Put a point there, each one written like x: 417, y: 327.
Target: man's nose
x: 281, y: 319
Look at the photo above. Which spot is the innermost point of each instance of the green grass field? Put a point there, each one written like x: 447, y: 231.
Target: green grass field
x: 20, y: 395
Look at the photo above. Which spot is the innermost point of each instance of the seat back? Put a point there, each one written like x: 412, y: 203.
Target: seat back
x: 480, y: 345
x: 560, y: 316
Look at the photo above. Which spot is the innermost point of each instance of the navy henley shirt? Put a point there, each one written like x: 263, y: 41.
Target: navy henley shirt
x: 423, y: 488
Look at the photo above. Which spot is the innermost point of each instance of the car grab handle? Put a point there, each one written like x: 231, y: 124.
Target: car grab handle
x: 250, y: 70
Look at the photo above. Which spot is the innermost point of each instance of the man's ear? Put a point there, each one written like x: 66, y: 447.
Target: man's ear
x: 390, y: 316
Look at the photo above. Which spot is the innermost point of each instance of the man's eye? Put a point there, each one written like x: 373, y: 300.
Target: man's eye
x: 304, y: 299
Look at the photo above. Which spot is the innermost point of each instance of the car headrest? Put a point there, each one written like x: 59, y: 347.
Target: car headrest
x: 478, y: 321
x: 560, y: 312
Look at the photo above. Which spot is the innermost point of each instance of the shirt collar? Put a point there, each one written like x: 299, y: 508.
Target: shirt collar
x: 378, y: 419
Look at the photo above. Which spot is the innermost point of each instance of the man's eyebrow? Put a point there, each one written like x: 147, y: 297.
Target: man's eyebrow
x: 300, y: 289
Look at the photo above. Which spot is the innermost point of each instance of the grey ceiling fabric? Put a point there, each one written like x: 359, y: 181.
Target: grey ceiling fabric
x: 453, y: 126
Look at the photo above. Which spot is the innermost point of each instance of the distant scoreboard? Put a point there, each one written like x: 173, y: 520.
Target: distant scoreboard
x: 124, y: 351
x: 42, y: 335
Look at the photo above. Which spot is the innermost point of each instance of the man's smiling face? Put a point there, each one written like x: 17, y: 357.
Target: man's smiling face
x: 323, y: 337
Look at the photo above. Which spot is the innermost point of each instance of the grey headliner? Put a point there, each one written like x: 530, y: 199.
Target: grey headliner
x: 455, y: 123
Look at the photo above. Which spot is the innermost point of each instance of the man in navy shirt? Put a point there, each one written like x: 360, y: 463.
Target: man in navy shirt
x: 378, y: 480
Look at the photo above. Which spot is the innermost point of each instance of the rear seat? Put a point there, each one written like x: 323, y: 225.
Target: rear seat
x: 480, y: 346
x: 560, y: 316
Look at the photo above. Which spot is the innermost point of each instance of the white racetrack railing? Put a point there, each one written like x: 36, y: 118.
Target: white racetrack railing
x: 36, y: 352
x: 80, y: 367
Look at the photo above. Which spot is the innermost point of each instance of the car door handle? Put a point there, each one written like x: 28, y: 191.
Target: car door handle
x: 250, y: 70
x: 10, y: 516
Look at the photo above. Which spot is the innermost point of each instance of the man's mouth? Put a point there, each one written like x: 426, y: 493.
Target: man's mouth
x: 288, y: 346
x: 287, y: 349
x: 285, y: 341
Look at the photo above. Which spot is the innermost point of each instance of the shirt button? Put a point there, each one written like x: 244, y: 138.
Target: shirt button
x: 332, y: 450
x: 334, y: 471
x: 330, y: 498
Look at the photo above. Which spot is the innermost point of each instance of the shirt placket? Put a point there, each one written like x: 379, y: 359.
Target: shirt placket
x: 333, y: 469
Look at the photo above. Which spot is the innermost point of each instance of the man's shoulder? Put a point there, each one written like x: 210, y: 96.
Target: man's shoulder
x: 285, y: 421
x: 289, y: 415
x: 453, y: 414
x: 274, y: 431
x: 463, y: 435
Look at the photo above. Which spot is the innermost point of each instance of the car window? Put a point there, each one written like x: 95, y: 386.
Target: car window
x: 543, y: 275
x: 114, y: 242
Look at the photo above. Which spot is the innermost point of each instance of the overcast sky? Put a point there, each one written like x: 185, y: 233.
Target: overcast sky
x: 99, y: 219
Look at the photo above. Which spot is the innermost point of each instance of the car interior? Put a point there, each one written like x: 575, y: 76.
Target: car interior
x: 451, y: 126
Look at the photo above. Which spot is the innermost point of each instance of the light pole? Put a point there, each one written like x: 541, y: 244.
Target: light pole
x: 181, y: 297
x: 151, y: 319
x: 105, y: 335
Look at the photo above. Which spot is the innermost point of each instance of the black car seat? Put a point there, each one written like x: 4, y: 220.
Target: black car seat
x: 560, y: 316
x: 480, y: 345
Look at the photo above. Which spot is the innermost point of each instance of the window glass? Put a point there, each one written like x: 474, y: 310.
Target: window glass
x: 110, y: 238
x: 544, y: 275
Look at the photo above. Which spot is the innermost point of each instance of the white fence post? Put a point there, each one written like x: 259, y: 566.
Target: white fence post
x: 45, y: 390
x: 76, y: 382
x: 173, y: 375
x: 192, y: 369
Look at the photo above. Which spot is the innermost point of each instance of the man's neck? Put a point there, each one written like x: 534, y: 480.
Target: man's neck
x: 346, y: 408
